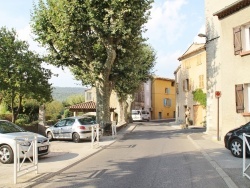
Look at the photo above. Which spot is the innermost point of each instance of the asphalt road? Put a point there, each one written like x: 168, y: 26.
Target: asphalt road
x: 152, y: 156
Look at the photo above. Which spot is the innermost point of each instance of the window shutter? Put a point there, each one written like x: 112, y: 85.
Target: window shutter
x: 239, y: 98
x: 237, y: 40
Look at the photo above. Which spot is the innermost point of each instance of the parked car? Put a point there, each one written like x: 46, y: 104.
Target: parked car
x: 8, y: 133
x: 234, y: 140
x: 140, y: 115
x: 72, y: 128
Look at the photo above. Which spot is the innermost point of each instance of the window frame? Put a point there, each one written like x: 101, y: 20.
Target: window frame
x: 241, y: 36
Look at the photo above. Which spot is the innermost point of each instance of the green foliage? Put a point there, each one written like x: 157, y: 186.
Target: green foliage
x: 67, y: 113
x: 86, y: 35
x: 21, y: 74
x: 31, y: 109
x: 21, y: 122
x: 3, y: 108
x: 200, y: 97
x: 54, y: 110
x: 134, y: 68
x: 7, y: 116
x: 74, y: 99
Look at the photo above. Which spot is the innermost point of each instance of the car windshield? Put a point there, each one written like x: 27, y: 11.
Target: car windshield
x: 8, y: 127
x: 135, y: 112
x: 87, y: 121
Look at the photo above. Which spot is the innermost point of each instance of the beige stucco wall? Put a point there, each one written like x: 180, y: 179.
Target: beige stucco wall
x: 214, y: 74
x: 235, y: 70
x: 191, y: 72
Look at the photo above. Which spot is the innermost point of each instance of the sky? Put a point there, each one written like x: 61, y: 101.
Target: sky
x: 173, y: 27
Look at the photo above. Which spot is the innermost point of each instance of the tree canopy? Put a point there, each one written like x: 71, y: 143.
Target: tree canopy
x: 86, y: 34
x: 21, y: 73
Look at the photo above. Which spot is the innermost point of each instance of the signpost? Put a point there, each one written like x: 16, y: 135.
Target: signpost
x: 218, y: 95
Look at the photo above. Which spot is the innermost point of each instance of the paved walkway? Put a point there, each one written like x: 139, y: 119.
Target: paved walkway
x: 63, y: 156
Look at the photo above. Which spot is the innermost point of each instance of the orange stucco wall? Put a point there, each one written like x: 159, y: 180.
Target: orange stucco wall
x: 159, y: 111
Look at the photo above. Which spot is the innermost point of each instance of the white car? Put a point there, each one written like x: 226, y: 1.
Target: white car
x: 72, y: 128
x: 9, y: 132
x: 140, y: 115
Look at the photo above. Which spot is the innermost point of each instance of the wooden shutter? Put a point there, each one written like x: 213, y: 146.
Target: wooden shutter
x: 237, y: 40
x: 239, y: 98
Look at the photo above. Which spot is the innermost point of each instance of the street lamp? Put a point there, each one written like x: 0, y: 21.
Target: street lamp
x: 207, y: 40
x: 202, y: 35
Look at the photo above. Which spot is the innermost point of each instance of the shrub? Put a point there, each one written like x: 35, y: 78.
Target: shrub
x: 6, y: 117
x: 24, y: 116
x: 21, y: 122
x: 67, y: 113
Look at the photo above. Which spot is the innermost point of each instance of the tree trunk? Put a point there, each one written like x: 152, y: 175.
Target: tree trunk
x: 130, y: 99
x: 122, y: 115
x: 104, y: 88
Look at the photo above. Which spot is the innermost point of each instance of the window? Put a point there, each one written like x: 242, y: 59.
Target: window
x: 167, y: 102
x: 167, y: 90
x: 177, y: 88
x: 242, y: 96
x: 201, y: 81
x: 199, y: 59
x: 242, y: 39
x: 88, y: 96
x: 186, y: 85
x: 187, y: 64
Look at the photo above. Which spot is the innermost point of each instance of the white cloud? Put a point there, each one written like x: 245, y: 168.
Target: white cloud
x: 64, y: 78
x: 198, y: 39
x: 167, y: 21
x: 167, y: 64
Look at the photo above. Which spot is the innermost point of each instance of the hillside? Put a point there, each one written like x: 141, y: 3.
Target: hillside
x: 61, y: 93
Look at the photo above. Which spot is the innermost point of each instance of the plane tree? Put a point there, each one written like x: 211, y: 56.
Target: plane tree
x: 21, y: 73
x: 134, y: 68
x: 86, y: 34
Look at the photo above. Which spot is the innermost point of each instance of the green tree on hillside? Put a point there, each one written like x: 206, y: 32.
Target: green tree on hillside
x: 87, y: 34
x: 74, y: 99
x: 21, y: 73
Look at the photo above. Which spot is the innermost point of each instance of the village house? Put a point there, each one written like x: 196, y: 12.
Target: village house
x: 228, y: 65
x: 189, y: 77
x: 163, y: 98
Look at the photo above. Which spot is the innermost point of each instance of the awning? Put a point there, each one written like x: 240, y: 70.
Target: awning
x: 89, y: 106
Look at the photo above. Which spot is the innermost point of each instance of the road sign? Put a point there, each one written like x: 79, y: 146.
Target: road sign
x: 217, y: 94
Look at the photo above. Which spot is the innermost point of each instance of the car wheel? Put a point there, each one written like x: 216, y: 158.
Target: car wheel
x: 50, y: 136
x: 76, y: 137
x: 6, y: 154
x: 236, y: 148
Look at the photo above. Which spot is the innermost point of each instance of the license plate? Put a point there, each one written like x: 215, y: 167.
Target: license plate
x: 42, y: 148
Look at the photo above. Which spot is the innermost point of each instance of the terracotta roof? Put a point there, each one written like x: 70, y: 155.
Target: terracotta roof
x: 231, y: 9
x: 162, y: 78
x: 89, y: 106
x: 86, y: 105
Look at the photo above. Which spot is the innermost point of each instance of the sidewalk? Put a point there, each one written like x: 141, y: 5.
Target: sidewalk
x: 230, y: 168
x: 63, y: 154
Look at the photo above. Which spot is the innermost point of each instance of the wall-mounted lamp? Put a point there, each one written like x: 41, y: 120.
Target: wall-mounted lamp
x: 202, y: 35
x: 207, y: 40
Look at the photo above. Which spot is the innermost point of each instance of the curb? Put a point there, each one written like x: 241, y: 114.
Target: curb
x: 220, y: 171
x: 50, y: 175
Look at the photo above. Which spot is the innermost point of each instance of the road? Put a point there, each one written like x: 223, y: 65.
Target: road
x: 154, y: 155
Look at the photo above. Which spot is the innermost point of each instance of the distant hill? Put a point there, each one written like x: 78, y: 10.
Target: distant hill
x: 61, y: 93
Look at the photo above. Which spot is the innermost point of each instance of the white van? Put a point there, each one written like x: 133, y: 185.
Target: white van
x: 140, y: 115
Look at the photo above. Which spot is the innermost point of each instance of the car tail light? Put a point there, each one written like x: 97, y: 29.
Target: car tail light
x: 81, y: 127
